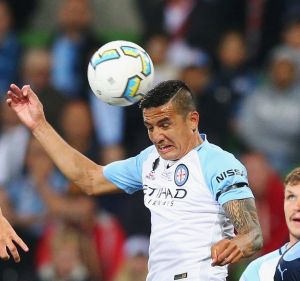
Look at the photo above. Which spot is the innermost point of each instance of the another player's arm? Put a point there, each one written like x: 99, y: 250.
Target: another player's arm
x: 248, y: 240
x: 8, y: 241
x: 79, y: 169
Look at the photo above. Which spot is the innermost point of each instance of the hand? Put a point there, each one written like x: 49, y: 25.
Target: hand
x: 26, y: 105
x: 225, y: 252
x: 8, y: 239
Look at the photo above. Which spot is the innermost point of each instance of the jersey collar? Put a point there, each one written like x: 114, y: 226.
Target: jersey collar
x: 205, y: 141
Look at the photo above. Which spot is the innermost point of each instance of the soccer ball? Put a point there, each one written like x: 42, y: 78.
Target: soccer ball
x: 120, y: 73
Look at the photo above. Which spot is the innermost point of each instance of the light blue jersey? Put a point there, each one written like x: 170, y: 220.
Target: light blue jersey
x: 263, y: 268
x: 185, y: 198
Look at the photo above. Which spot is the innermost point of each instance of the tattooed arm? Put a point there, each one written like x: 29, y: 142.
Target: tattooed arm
x: 242, y: 214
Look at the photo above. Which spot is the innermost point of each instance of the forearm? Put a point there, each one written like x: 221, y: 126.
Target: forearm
x: 242, y: 214
x: 74, y: 165
x: 86, y: 174
x: 249, y: 243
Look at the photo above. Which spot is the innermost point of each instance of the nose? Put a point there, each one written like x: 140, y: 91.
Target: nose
x: 156, y: 136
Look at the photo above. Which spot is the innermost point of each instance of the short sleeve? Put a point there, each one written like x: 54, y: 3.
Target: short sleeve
x: 225, y: 175
x: 127, y: 174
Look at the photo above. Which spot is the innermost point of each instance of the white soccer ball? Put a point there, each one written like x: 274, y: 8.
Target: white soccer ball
x: 120, y: 73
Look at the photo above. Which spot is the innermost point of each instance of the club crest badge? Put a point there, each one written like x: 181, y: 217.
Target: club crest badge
x: 181, y: 174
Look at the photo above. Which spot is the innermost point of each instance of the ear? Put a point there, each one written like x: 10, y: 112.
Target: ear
x: 194, y: 120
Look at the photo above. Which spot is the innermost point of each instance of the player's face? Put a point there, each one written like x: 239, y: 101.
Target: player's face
x: 292, y: 210
x: 173, y: 134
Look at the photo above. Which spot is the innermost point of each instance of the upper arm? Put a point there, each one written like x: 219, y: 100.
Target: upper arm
x: 93, y: 182
x: 120, y: 175
x: 127, y: 174
x: 100, y: 184
x: 225, y: 176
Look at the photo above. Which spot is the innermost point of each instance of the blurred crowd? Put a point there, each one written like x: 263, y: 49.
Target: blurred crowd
x: 241, y: 59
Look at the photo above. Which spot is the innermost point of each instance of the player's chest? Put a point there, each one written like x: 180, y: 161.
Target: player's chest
x: 173, y: 185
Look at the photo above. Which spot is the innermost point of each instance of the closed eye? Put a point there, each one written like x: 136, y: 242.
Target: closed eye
x: 165, y: 125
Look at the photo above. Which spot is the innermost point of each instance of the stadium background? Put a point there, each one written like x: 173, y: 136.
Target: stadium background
x: 241, y: 58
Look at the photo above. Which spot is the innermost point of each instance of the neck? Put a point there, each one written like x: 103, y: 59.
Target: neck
x: 195, y: 141
x: 293, y: 240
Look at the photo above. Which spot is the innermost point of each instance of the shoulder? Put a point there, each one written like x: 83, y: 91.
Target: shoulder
x: 212, y: 155
x: 147, y: 151
x: 292, y: 255
x: 218, y: 165
x: 224, y: 175
x: 127, y: 174
x: 265, y: 258
x: 133, y: 162
x: 293, y: 252
x: 289, y: 264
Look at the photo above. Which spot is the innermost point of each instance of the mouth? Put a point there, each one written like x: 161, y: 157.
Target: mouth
x: 164, y: 148
x: 296, y: 220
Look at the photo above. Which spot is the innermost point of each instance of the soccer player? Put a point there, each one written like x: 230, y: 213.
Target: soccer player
x: 196, y: 192
x: 288, y: 267
x: 8, y: 241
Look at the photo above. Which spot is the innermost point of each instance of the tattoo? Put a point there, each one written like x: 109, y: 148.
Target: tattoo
x: 242, y: 213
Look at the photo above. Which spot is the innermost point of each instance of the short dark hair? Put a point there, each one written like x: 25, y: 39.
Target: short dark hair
x: 174, y: 90
x: 293, y: 178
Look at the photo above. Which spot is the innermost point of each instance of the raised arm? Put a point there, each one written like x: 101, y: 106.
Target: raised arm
x: 248, y: 240
x: 79, y: 169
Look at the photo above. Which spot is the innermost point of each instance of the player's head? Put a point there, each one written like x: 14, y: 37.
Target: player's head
x: 171, y: 118
x: 292, y: 204
x: 174, y: 91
